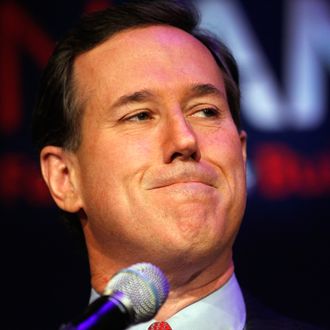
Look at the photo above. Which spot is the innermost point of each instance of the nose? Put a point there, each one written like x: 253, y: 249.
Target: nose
x: 180, y: 140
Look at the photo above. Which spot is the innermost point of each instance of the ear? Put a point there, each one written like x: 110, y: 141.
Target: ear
x: 60, y: 174
x: 243, y: 138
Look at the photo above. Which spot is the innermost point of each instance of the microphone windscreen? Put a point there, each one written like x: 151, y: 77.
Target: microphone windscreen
x: 145, y: 286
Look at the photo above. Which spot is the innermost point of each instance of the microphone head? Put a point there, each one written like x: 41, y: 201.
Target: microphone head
x: 145, y: 287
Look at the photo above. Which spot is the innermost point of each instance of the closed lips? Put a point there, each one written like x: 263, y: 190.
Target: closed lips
x: 190, y: 174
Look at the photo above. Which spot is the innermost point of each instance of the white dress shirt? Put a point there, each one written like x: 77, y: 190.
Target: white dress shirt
x: 223, y: 309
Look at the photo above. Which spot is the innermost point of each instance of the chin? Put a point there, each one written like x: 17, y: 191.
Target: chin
x: 195, y: 242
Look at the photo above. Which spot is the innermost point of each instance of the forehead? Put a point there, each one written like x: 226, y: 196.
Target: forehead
x: 135, y: 58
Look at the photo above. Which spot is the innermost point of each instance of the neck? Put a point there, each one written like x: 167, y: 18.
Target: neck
x: 191, y: 276
x: 187, y: 287
x: 185, y: 295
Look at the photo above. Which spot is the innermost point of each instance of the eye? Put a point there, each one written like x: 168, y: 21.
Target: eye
x: 207, y: 112
x: 141, y: 116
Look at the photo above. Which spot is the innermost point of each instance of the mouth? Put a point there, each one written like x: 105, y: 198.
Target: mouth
x: 182, y: 176
x: 195, y: 191
x: 184, y: 183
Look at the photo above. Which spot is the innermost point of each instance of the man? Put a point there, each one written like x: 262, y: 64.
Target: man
x: 137, y: 124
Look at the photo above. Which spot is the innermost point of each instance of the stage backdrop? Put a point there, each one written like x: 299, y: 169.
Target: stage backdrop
x: 282, y: 251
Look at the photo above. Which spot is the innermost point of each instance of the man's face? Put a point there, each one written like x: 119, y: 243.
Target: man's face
x: 161, y: 165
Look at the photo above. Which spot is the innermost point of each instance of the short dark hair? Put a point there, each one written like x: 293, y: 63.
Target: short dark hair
x: 58, y: 111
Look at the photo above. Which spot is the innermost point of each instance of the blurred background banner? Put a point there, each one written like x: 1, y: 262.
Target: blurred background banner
x: 282, y: 252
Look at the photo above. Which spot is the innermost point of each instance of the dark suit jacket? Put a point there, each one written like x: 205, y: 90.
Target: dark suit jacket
x: 260, y: 317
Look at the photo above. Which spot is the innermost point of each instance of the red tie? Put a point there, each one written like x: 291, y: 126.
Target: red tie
x: 160, y: 326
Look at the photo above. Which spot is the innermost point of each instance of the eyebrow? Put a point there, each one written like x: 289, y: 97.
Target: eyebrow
x: 139, y: 96
x: 198, y: 90
x: 195, y: 90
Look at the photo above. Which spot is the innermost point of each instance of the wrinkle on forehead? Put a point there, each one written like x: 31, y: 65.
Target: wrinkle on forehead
x: 131, y: 51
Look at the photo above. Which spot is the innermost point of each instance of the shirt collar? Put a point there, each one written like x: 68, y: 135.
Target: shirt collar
x: 223, y: 309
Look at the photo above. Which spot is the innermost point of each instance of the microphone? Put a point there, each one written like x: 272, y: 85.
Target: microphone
x: 132, y: 296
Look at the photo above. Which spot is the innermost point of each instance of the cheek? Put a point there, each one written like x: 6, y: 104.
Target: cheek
x: 114, y: 153
x: 109, y: 166
x: 223, y: 148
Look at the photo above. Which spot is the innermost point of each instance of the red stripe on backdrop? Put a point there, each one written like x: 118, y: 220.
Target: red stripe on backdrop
x: 283, y: 172
x: 21, y: 182
x: 18, y: 33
